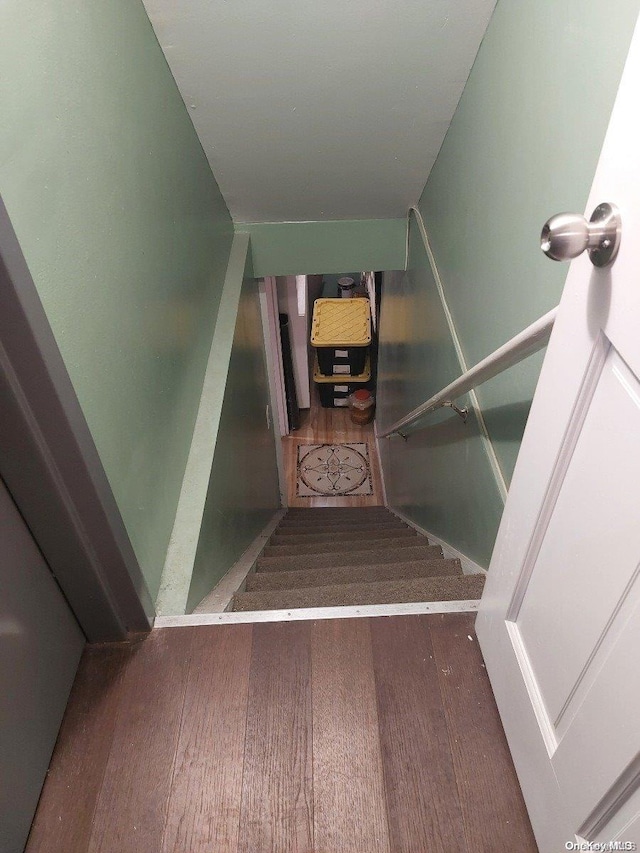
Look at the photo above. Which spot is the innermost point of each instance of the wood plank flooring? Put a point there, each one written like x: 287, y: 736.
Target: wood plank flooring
x: 215, y: 701
x: 350, y: 811
x: 140, y: 763
x: 422, y: 797
x: 277, y: 792
x: 323, y: 426
x: 358, y: 736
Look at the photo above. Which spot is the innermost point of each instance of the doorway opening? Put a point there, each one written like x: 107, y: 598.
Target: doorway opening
x: 315, y: 404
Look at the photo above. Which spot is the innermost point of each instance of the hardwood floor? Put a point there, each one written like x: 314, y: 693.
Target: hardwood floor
x: 277, y: 791
x: 422, y: 796
x: 358, y: 736
x: 324, y: 426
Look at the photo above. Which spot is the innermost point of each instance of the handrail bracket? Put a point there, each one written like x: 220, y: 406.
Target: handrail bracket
x: 530, y: 340
x: 463, y: 411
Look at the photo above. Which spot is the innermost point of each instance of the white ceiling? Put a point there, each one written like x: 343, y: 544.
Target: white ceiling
x: 320, y: 109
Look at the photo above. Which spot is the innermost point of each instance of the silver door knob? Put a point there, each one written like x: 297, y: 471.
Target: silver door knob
x: 567, y: 235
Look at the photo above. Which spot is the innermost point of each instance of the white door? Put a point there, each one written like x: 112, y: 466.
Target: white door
x: 559, y: 622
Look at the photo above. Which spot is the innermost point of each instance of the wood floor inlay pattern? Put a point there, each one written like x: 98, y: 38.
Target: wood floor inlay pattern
x: 330, y: 426
x: 356, y: 735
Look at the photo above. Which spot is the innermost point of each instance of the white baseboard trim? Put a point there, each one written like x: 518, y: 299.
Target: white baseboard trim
x: 469, y: 567
x: 309, y: 613
x: 222, y: 594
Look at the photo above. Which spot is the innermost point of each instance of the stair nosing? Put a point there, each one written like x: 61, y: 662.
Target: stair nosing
x: 331, y: 528
x: 263, y: 563
x: 397, y: 542
x: 324, y: 532
x: 337, y: 509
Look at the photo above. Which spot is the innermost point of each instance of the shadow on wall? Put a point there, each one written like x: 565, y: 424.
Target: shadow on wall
x: 243, y: 491
x: 441, y: 478
x: 505, y: 425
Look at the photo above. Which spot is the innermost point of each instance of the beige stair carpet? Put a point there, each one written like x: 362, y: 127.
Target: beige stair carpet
x: 458, y: 587
x: 330, y: 557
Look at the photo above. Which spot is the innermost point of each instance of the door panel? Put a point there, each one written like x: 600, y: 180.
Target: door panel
x: 40, y: 647
x: 625, y: 824
x: 587, y: 568
x: 598, y: 761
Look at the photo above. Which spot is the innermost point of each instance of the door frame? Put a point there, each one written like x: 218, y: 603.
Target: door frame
x: 51, y: 466
x: 273, y: 348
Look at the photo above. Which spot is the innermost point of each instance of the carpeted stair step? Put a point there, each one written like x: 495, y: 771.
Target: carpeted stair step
x: 453, y: 588
x: 321, y: 513
x: 319, y: 526
x: 333, y: 558
x: 351, y: 574
x: 347, y: 545
x: 301, y: 529
x: 335, y: 510
x: 311, y: 520
x: 341, y: 536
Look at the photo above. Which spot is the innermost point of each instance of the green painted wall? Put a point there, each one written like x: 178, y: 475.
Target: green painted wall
x: 440, y: 477
x: 243, y: 489
x: 297, y: 248
x: 523, y: 145
x: 125, y: 233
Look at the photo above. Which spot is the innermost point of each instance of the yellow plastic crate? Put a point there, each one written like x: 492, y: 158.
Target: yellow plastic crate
x: 341, y: 323
x: 341, y: 378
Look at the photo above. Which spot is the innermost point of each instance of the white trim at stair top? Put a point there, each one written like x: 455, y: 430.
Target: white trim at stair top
x: 222, y: 594
x: 469, y: 567
x: 364, y: 611
x: 212, y: 608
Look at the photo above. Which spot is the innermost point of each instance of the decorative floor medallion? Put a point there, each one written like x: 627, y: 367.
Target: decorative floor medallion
x: 333, y: 469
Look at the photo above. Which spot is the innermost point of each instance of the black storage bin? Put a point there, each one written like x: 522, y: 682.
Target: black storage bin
x: 333, y: 395
x: 350, y: 361
x: 334, y: 390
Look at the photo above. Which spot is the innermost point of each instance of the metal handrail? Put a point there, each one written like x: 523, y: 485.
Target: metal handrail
x: 530, y: 340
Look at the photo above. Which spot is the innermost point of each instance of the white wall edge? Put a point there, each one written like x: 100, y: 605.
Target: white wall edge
x: 464, y: 367
x: 287, y: 295
x: 221, y: 595
x: 380, y: 466
x: 311, y: 613
x: 273, y: 362
x: 183, y: 544
x: 469, y: 566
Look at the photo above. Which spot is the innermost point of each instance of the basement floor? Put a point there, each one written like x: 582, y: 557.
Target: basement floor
x: 354, y: 735
x: 330, y: 426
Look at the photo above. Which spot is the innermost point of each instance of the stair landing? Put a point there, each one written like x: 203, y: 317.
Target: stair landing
x: 330, y: 426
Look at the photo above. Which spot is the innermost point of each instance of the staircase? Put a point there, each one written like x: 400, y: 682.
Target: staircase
x: 332, y: 557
